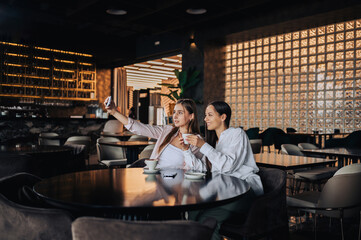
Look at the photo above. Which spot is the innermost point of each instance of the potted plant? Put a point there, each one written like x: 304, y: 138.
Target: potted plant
x: 187, y: 79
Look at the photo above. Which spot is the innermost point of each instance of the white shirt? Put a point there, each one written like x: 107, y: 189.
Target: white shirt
x: 232, y: 155
x: 171, y: 157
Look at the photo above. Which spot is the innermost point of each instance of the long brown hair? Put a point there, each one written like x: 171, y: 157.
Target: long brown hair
x: 193, y: 126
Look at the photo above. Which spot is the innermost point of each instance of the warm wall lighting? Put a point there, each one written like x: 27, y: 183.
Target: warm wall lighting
x: 16, y: 55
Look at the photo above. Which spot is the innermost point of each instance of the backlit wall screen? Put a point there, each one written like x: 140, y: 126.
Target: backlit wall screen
x: 308, y: 80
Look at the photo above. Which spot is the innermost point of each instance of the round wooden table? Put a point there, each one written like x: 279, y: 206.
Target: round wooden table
x: 110, y: 192
x: 43, y: 161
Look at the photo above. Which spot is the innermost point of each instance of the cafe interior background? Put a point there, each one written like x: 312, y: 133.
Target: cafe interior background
x: 278, y: 64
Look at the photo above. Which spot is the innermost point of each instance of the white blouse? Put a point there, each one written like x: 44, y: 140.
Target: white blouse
x: 232, y: 155
x: 171, y: 157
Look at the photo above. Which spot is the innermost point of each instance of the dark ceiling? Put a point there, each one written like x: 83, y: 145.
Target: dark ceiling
x: 84, y: 25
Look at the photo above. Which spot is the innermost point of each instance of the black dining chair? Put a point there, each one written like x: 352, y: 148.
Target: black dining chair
x: 290, y: 130
x: 13, y: 187
x: 315, y: 176
x: 351, y: 141
x: 113, y: 126
x: 92, y: 228
x: 80, y: 140
x: 138, y: 138
x: 268, y: 213
x: 19, y: 219
x: 45, y: 139
x: 110, y: 156
x: 340, y: 198
x: 256, y: 145
x: 269, y: 137
x: 252, y: 133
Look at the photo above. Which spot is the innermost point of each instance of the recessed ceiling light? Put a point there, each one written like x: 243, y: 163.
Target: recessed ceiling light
x: 114, y: 11
x: 196, y: 11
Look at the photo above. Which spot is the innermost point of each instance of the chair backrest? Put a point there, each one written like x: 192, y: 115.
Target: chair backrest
x: 101, y: 228
x: 353, y: 140
x: 113, y: 126
x: 256, y: 145
x: 19, y: 219
x: 81, y: 140
x: 149, y: 147
x: 335, y: 142
x: 146, y: 153
x: 107, y: 139
x: 269, y: 136
x: 252, y: 133
x: 269, y: 211
x: 291, y: 149
x: 138, y: 138
x: 106, y: 152
x: 349, y: 169
x: 49, y: 142
x: 304, y: 146
x: 290, y: 130
x: 11, y: 186
x: 48, y: 134
x: 342, y: 191
x: 22, y: 222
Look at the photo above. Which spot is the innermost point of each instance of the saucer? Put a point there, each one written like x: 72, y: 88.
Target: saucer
x: 194, y: 175
x: 155, y: 170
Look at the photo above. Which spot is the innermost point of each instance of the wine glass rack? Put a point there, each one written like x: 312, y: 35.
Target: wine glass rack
x: 47, y: 74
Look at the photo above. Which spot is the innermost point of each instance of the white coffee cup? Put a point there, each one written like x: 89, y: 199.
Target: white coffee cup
x: 151, y: 163
x: 184, y: 136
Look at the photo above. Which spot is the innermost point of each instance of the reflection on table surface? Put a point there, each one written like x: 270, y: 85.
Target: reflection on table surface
x: 284, y: 161
x: 130, y: 188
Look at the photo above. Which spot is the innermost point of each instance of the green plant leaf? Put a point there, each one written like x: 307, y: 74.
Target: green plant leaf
x: 182, y: 78
x: 175, y: 95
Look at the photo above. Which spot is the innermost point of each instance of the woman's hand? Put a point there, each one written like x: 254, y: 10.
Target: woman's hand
x: 111, y: 109
x: 195, y: 140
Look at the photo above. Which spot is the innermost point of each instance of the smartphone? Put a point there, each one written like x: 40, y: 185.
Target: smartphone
x: 109, y: 100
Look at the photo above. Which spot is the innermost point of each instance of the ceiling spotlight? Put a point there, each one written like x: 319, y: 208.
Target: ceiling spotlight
x: 196, y: 11
x: 114, y: 11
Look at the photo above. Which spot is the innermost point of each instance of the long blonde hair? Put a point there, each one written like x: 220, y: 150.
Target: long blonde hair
x: 193, y: 126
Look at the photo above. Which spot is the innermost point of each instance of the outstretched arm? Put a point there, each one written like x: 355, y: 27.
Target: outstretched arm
x: 112, y: 110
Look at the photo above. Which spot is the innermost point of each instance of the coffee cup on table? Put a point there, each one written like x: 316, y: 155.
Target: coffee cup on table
x: 184, y: 136
x: 151, y: 163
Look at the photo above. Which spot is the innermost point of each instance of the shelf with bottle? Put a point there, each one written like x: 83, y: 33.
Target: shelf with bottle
x: 31, y: 71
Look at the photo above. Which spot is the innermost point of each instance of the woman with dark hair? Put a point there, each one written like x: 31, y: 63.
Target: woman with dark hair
x: 227, y: 151
x: 169, y: 148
